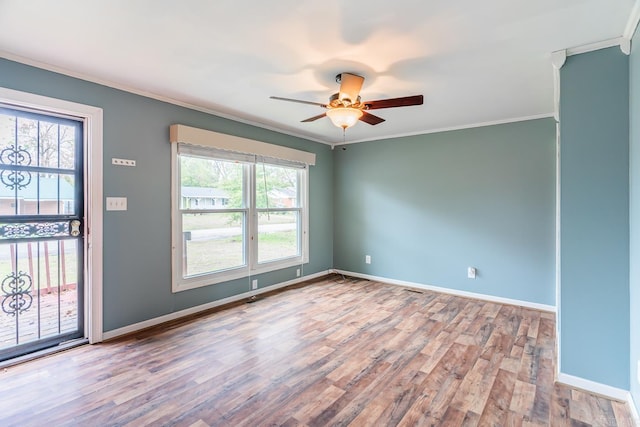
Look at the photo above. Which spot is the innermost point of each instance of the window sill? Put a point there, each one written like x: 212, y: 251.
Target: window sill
x: 213, y: 279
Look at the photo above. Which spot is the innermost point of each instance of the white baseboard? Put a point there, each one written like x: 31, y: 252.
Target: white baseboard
x: 595, y: 387
x: 484, y: 297
x: 602, y: 390
x: 197, y: 309
x: 633, y: 409
x: 193, y: 310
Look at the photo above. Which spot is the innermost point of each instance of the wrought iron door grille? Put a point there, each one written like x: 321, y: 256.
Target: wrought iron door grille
x: 16, y: 288
x: 33, y: 230
x: 41, y: 263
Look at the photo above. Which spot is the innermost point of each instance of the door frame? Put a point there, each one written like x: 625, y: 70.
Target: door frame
x: 93, y: 204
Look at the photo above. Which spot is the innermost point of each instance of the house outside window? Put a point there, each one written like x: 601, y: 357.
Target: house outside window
x: 235, y: 215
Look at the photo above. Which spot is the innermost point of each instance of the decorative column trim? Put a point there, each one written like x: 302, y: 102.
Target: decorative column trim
x: 625, y: 45
x: 558, y: 58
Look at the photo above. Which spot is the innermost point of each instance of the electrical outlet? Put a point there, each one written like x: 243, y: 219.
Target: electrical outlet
x: 471, y: 272
x: 298, y: 273
x: 122, y: 162
x: 367, y: 259
x: 254, y: 284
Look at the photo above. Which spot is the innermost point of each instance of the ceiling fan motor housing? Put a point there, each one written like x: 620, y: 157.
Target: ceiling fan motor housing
x: 350, y: 85
x: 336, y: 102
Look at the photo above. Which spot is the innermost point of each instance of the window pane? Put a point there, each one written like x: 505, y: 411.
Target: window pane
x: 28, y: 145
x: 279, y: 189
x: 210, y: 184
x: 212, y: 242
x: 277, y: 236
x: 56, y: 145
x: 42, y: 143
x: 38, y: 194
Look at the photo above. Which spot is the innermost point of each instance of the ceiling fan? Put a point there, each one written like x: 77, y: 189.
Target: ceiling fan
x: 345, y: 108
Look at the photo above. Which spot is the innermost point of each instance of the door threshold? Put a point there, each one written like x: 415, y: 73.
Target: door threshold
x: 66, y: 345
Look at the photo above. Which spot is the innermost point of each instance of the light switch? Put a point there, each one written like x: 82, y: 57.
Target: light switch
x: 116, y: 203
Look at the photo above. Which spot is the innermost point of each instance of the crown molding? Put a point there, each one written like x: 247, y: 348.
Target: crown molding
x: 590, y: 47
x: 453, y: 128
x: 81, y: 76
x: 632, y: 23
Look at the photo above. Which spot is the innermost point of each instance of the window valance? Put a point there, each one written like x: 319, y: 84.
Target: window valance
x: 206, y: 138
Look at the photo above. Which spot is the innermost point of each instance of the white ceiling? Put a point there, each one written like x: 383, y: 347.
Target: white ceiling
x: 474, y: 61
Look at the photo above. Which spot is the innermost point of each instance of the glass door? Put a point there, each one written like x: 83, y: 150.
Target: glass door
x: 41, y: 231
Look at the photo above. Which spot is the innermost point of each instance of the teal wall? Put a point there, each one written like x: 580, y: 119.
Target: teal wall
x: 634, y: 214
x: 137, y: 243
x: 426, y: 207
x: 594, y: 217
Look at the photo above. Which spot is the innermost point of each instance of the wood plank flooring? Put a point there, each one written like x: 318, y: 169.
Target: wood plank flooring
x: 50, y: 314
x: 331, y: 352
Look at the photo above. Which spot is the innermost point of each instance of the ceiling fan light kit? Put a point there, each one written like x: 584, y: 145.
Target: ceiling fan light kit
x: 344, y: 117
x: 345, y: 108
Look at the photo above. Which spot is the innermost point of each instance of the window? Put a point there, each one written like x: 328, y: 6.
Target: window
x: 235, y: 214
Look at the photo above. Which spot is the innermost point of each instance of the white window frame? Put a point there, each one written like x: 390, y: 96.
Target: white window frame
x: 250, y: 235
x: 303, y: 197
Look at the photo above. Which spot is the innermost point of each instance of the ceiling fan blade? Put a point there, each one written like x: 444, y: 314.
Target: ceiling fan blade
x: 350, y: 86
x: 394, y: 102
x: 299, y: 101
x: 370, y: 118
x: 314, y: 118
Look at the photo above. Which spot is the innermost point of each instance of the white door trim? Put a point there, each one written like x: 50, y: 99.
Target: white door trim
x: 92, y: 117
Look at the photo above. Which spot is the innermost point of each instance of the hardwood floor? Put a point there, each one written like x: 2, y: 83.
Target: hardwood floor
x: 331, y: 352
x: 50, y: 314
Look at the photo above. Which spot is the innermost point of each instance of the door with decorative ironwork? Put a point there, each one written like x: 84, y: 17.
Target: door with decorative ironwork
x: 41, y: 231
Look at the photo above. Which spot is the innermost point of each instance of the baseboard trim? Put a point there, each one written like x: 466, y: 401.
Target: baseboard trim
x: 633, y: 409
x: 594, y: 387
x: 114, y: 333
x: 483, y: 297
